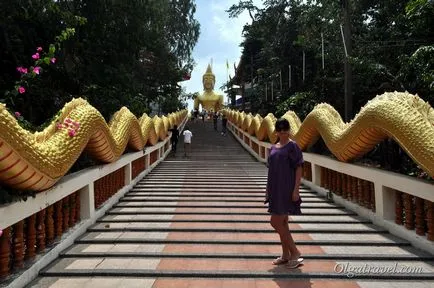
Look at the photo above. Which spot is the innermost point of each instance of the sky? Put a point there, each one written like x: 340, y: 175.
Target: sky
x: 219, y: 40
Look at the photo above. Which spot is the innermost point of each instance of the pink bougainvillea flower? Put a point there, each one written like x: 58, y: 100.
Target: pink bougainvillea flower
x: 71, y: 132
x: 39, y: 49
x: 21, y: 89
x: 53, y: 60
x: 35, y: 56
x: 59, y: 125
x: 22, y: 70
x: 37, y: 70
x: 17, y: 114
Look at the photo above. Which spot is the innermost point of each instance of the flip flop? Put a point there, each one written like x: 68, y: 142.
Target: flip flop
x: 300, y: 259
x: 292, y: 264
x: 280, y: 261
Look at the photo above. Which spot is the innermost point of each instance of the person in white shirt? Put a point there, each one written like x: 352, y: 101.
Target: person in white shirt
x: 187, y: 141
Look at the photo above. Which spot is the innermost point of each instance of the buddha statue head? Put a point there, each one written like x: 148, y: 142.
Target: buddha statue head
x: 208, y: 79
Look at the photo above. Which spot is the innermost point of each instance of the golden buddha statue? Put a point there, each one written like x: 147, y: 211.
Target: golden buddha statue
x: 209, y: 100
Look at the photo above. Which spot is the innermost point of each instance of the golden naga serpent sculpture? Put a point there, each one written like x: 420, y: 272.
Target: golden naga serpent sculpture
x: 35, y: 161
x: 404, y: 117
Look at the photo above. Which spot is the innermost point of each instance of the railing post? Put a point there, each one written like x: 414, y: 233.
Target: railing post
x: 384, y: 202
x: 147, y: 160
x: 316, y: 174
x: 127, y: 173
x: 87, y: 201
x: 262, y: 152
x: 267, y: 153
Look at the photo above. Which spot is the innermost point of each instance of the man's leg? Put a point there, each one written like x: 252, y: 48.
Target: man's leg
x: 188, y: 149
x: 174, y: 143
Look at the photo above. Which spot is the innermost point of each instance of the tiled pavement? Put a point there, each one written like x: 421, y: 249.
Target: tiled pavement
x: 200, y: 222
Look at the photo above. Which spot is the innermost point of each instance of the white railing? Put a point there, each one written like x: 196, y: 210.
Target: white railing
x: 386, y: 186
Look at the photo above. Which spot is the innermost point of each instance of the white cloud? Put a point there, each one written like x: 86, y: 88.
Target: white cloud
x: 229, y: 29
x: 224, y: 47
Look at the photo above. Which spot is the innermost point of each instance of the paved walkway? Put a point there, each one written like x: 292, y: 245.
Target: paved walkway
x: 200, y: 222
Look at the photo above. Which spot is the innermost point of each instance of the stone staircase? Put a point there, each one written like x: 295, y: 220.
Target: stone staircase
x: 200, y: 222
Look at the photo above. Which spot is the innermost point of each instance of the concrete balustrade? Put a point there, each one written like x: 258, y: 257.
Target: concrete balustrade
x: 393, y: 195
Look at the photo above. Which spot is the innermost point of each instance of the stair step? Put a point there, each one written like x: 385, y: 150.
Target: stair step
x: 150, y: 220
x: 165, y: 205
x: 240, y: 248
x: 232, y: 274
x: 232, y: 270
x: 91, y: 282
x: 83, y: 240
x: 157, y: 212
x: 239, y: 236
x: 180, y: 179
x: 189, y: 176
x: 204, y: 193
x: 237, y: 173
x: 155, y: 200
x: 255, y: 195
x: 201, y: 185
x: 72, y: 254
x: 232, y: 166
x: 228, y: 189
x: 232, y: 230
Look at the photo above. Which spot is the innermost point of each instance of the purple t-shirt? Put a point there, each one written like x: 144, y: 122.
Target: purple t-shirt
x: 282, y: 163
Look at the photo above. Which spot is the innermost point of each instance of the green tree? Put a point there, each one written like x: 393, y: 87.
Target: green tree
x: 126, y: 53
x: 382, y: 32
